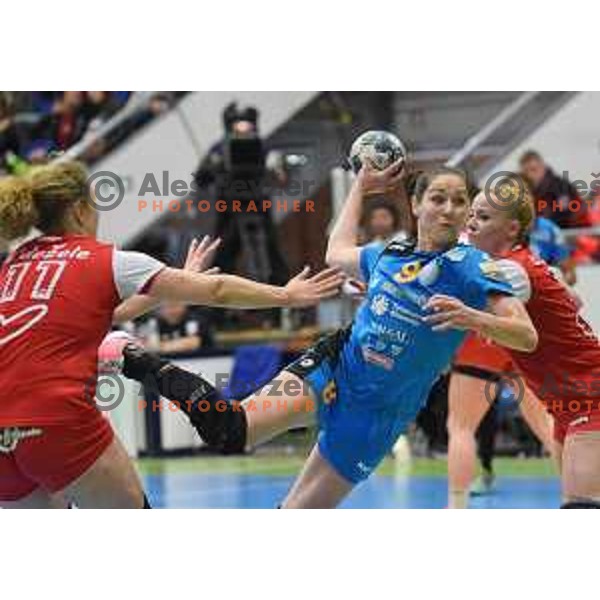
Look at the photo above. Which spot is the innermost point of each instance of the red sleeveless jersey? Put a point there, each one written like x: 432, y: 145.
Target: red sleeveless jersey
x: 57, y: 297
x: 566, y: 363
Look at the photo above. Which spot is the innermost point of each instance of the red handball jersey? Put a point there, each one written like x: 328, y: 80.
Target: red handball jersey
x: 57, y: 297
x: 564, y: 370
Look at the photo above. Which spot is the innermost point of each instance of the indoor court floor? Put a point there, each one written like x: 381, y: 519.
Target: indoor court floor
x: 262, y: 482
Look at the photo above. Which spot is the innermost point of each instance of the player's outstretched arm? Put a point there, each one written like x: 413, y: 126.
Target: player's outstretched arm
x: 507, y: 322
x: 199, y: 259
x: 236, y: 292
x: 342, y: 249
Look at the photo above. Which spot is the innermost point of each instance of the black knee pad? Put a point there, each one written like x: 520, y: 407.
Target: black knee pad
x: 224, y: 426
x: 219, y: 423
x: 581, y: 504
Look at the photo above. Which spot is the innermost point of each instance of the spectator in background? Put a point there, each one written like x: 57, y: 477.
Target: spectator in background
x: 66, y: 124
x: 45, y: 103
x: 9, y: 139
x: 556, y: 191
x: 39, y: 152
x: 157, y: 105
x: 35, y: 125
x: 547, y: 241
x: 98, y: 108
x: 382, y: 220
x: 160, y: 103
x: 181, y: 329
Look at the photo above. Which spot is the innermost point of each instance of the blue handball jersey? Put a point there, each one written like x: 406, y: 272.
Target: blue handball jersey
x: 392, y: 357
x: 547, y: 241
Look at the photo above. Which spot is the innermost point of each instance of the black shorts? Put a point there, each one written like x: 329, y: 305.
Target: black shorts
x: 477, y: 372
x: 327, y: 348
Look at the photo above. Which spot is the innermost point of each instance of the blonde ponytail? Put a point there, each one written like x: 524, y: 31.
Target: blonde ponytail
x: 40, y: 198
x: 18, y: 212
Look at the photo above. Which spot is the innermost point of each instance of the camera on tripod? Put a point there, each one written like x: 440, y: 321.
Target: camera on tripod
x: 243, y: 150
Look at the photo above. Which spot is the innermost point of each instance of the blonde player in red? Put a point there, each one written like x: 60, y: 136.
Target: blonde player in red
x: 58, y: 293
x: 564, y: 370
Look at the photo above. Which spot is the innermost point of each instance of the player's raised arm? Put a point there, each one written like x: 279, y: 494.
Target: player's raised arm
x: 343, y: 250
x: 507, y: 322
x: 236, y: 292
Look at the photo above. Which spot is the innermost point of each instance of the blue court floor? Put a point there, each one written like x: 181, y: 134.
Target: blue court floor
x: 191, y: 490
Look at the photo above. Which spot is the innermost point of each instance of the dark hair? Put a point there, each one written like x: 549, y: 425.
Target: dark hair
x: 381, y: 203
x: 232, y: 114
x: 417, y: 186
x: 530, y: 155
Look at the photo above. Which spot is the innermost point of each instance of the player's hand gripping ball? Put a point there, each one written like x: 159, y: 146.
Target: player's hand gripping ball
x: 110, y: 352
x: 379, y: 148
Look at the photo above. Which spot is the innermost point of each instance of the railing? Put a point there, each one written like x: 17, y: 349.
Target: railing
x: 136, y: 104
x: 476, y: 140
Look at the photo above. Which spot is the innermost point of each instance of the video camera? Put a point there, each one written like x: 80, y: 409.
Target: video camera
x: 243, y: 151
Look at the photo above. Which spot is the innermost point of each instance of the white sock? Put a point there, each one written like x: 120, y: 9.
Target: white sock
x: 458, y: 499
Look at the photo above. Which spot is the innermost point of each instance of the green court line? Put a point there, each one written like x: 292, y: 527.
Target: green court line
x: 288, y: 465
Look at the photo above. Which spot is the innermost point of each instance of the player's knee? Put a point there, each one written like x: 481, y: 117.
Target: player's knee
x: 458, y: 427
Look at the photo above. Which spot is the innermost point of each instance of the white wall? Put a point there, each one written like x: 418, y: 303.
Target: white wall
x: 569, y: 140
x: 588, y: 287
x: 167, y: 145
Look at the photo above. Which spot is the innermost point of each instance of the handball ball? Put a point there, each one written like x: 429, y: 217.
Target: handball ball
x: 110, y: 352
x: 380, y: 148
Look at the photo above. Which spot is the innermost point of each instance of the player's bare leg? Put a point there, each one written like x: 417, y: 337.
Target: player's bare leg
x: 467, y: 405
x: 539, y: 421
x: 581, y: 469
x: 268, y: 415
x: 285, y: 403
x: 318, y: 485
x: 111, y: 482
x: 558, y: 455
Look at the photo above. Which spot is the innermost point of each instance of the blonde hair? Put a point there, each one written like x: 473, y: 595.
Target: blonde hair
x: 40, y: 198
x: 515, y: 190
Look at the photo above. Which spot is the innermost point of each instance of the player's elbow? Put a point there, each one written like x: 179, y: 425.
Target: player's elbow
x: 331, y: 258
x: 332, y: 254
x: 529, y: 339
x: 337, y: 255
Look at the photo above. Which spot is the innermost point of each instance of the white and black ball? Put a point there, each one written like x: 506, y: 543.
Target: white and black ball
x: 379, y: 148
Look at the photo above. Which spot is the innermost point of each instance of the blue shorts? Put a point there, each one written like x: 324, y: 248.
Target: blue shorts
x: 352, y: 438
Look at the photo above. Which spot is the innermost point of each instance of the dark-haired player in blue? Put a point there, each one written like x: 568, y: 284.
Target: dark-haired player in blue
x: 366, y: 384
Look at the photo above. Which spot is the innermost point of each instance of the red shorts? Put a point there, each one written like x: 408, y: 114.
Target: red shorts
x: 478, y: 352
x: 566, y: 424
x: 50, y: 457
